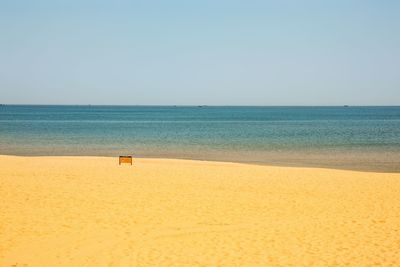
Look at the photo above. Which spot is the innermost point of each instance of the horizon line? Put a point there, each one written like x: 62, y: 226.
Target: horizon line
x: 197, y: 105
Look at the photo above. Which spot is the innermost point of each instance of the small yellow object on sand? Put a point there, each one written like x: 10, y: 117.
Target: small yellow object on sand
x: 125, y: 159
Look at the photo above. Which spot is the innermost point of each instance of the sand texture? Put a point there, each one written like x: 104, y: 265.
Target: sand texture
x: 88, y: 211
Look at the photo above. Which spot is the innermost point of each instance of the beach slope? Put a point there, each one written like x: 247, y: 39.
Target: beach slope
x: 89, y: 211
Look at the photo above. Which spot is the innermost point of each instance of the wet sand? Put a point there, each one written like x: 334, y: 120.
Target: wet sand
x: 88, y: 211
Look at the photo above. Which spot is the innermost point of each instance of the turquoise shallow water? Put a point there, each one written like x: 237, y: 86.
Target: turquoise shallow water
x: 365, y: 138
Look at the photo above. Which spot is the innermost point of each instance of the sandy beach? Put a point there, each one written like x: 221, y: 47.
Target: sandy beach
x: 89, y: 211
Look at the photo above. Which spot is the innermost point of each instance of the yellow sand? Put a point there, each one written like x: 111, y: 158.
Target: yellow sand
x: 87, y: 211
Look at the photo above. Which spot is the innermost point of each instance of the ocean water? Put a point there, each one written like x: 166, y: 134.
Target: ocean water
x: 361, y: 138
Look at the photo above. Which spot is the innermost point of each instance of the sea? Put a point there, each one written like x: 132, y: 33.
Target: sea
x: 343, y: 137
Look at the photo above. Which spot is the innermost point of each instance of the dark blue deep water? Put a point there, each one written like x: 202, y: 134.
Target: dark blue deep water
x: 342, y: 137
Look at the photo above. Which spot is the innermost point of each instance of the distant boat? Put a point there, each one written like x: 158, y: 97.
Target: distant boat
x: 346, y: 106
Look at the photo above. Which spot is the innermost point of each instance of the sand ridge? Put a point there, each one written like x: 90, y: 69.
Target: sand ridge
x: 88, y: 211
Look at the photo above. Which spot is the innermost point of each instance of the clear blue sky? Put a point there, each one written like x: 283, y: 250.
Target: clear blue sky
x: 200, y: 52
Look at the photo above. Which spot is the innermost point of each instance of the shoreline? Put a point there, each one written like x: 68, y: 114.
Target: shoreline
x: 304, y: 164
